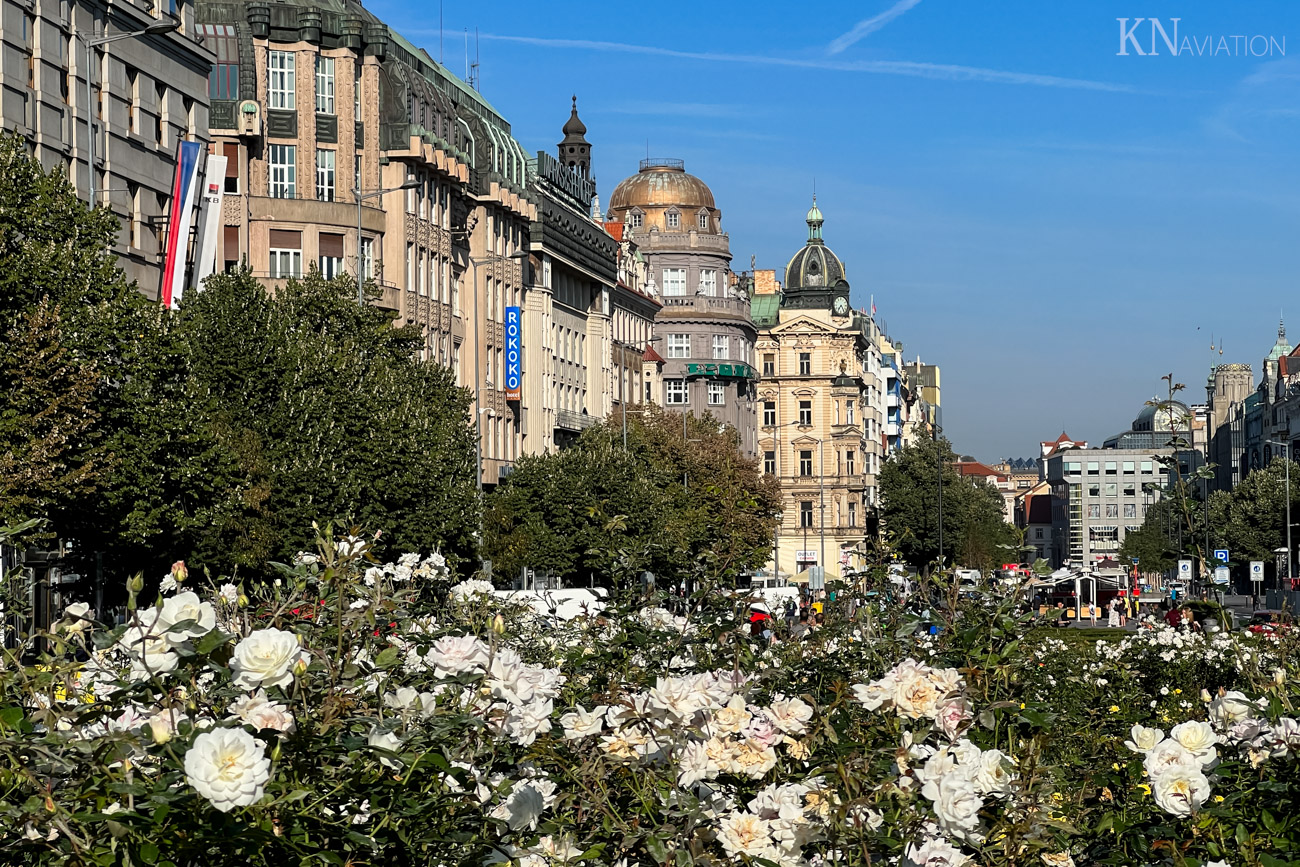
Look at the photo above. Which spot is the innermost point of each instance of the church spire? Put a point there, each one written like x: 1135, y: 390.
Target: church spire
x: 575, y: 150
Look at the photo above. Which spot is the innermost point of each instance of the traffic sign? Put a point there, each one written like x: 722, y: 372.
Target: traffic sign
x: 1221, y: 575
x: 1257, y: 571
x: 1185, y: 570
x: 1221, y: 554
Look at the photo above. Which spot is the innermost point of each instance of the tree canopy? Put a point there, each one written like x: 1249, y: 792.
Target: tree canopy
x: 677, y: 506
x: 975, y: 533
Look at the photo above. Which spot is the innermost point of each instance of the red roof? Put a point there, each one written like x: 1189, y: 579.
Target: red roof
x: 615, y: 230
x: 651, y: 355
x: 975, y: 468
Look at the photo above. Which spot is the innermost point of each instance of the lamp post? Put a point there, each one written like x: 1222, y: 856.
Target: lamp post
x: 1286, y: 456
x: 409, y: 184
x: 157, y: 28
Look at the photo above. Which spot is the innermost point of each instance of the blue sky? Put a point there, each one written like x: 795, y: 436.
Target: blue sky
x: 1056, y: 225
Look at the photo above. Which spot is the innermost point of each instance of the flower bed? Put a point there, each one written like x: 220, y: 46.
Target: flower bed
x: 364, y: 713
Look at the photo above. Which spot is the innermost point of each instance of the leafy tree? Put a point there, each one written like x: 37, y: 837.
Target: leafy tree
x: 682, y: 506
x: 248, y: 416
x: 1251, y: 520
x: 1150, y: 545
x: 974, y: 530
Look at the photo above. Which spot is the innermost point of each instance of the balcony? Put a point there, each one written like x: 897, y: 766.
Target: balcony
x: 685, y: 305
x: 892, y: 429
x: 656, y: 240
x: 891, y: 400
x: 567, y: 419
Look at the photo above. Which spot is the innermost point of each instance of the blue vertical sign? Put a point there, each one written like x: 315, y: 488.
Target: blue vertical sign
x: 514, y: 365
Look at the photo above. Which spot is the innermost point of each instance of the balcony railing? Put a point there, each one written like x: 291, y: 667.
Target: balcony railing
x: 716, y: 303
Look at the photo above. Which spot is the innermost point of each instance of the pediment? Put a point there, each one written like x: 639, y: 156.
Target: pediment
x: 803, y: 324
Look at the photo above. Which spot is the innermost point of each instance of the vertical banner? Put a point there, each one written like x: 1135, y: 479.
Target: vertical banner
x: 205, y: 243
x: 184, y: 190
x: 514, y: 366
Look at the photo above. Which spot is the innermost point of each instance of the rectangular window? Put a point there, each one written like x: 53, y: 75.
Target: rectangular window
x: 806, y: 514
x: 717, y: 393
x: 674, y: 220
x: 281, y: 80
x: 1112, y: 510
x: 283, y: 168
x: 356, y: 92
x: 1094, y: 490
x: 1112, y: 489
x: 331, y: 255
x: 853, y: 514
x: 1110, y: 467
x: 324, y: 175
x: 231, y: 152
x: 368, y: 258
x: 679, y: 346
x: 1093, y: 468
x: 850, y: 458
x: 285, y: 263
x: 848, y: 409
x: 675, y: 392
x: 704, y: 221
x: 1128, y: 468
x: 1130, y: 490
x: 769, y: 364
x: 708, y: 281
x: 1130, y: 510
x: 805, y: 412
x: 674, y: 281
x: 769, y: 413
x: 721, y: 346
x: 1071, y: 467
x: 324, y: 85
x: 805, y: 364
x: 769, y: 463
x: 1146, y: 468
x: 1094, y: 510
x: 636, y: 220
x: 805, y: 462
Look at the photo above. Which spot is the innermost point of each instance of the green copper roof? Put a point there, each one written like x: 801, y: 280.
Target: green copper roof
x: 765, y: 309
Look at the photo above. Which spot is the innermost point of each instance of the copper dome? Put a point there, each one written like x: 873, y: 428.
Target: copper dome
x: 662, y: 184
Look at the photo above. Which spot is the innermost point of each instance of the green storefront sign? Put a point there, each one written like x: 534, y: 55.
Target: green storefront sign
x: 722, y: 371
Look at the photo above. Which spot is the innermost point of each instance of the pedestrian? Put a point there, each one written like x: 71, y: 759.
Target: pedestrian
x: 800, y: 629
x: 1113, y: 620
x: 1062, y: 619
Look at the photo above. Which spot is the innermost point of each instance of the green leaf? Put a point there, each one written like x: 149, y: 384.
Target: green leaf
x: 10, y: 716
x: 210, y: 642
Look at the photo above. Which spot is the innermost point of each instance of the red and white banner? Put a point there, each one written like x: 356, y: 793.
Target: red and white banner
x: 184, y: 192
x: 205, y: 241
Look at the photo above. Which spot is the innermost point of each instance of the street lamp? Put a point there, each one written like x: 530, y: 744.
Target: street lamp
x: 409, y: 184
x: 157, y: 28
x: 1286, y: 456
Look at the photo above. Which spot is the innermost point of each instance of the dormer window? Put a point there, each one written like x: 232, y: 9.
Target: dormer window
x: 704, y: 220
x: 635, y: 219
x: 674, y: 220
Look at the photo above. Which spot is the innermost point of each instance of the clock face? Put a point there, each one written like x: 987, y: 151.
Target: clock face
x: 841, y: 305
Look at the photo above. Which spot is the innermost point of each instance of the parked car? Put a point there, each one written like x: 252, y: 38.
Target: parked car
x: 1268, y: 622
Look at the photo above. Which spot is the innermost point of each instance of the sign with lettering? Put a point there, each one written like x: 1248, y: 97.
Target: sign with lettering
x: 1257, y: 570
x: 738, y: 371
x: 514, y: 354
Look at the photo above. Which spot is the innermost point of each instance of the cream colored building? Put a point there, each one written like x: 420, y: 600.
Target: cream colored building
x: 820, y: 405
x: 315, y: 105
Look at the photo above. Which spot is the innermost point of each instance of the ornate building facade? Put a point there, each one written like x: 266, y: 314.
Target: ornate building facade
x: 703, y: 345
x: 821, y: 401
x: 351, y: 149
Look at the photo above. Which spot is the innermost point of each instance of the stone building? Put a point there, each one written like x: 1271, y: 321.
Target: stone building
x: 147, y: 94
x: 703, y: 333
x: 821, y: 405
x: 350, y: 148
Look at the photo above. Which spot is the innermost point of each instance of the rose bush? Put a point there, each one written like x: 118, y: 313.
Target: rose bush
x: 356, y: 712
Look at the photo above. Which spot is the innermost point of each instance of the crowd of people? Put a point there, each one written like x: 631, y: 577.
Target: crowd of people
x: 793, y: 620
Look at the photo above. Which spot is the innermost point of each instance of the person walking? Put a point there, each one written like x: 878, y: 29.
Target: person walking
x: 1113, y: 620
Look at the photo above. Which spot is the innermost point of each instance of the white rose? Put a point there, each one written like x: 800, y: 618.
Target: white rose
x: 1169, y: 755
x: 1198, y: 738
x: 1229, y: 708
x: 76, y: 617
x: 746, y: 834
x: 873, y: 695
x: 1142, y: 739
x: 790, y: 715
x: 229, y: 767
x: 694, y: 765
x: 915, y: 696
x: 182, y: 607
x: 956, y: 803
x: 951, y: 715
x: 581, y: 723
x: 261, y: 713
x: 228, y: 593
x: 385, y: 740
x: 935, y: 853
x: 992, y: 774
x: 266, y: 658
x: 731, y: 719
x: 523, y: 808
x: 456, y: 654
x: 1180, y: 791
